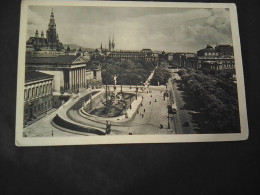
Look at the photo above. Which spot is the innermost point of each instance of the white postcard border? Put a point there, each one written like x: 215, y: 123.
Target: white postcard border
x: 128, y: 139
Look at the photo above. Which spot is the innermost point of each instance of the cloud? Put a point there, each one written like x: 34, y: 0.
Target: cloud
x: 167, y: 29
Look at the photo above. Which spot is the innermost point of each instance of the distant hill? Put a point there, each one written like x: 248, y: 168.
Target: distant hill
x: 75, y: 46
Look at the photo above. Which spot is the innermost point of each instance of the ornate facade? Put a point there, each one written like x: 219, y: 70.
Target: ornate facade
x: 145, y: 54
x: 219, y: 58
x: 38, y: 95
x: 51, y: 42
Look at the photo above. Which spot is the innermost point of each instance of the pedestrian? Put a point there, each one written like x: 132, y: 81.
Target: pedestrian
x: 150, y: 102
x: 142, y: 115
x: 108, y: 127
x: 142, y: 97
x: 144, y: 109
x: 52, y: 133
x: 155, y: 100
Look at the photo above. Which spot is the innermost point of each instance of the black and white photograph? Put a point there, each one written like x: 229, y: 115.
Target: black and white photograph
x: 129, y: 72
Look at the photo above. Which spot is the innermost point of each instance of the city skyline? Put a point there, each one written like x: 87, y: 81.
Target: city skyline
x: 182, y: 29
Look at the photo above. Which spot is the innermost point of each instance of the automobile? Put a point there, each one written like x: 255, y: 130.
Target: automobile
x: 186, y: 124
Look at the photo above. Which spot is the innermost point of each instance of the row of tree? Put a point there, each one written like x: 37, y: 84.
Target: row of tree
x: 161, y: 74
x: 128, y: 72
x: 214, y: 97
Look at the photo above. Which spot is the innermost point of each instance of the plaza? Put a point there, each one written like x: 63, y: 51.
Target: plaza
x: 147, y: 118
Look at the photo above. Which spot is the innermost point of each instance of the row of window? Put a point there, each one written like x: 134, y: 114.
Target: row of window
x: 37, y: 91
x: 128, y: 56
x: 39, y: 108
x: 216, y: 54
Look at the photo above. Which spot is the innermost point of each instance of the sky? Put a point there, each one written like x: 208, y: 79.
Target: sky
x: 135, y: 28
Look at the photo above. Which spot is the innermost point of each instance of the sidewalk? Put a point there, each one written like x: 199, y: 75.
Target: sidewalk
x: 39, y: 117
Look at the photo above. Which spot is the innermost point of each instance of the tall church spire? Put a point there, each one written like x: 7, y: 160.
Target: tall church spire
x: 113, y: 43
x: 36, y: 33
x: 109, y: 44
x: 51, y: 34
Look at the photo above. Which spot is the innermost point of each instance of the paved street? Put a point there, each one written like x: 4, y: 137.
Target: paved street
x: 44, y: 128
x: 182, y: 115
x: 154, y: 115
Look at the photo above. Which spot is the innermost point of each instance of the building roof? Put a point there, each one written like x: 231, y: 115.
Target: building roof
x: 52, y: 60
x: 35, y: 75
x: 208, y: 48
x: 224, y: 48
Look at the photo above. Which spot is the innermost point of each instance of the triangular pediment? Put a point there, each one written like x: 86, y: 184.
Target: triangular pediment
x: 80, y: 59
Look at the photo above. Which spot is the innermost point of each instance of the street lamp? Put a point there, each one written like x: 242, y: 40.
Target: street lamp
x: 130, y: 103
x: 168, y: 120
x: 136, y: 91
x: 121, y: 78
x: 106, y: 94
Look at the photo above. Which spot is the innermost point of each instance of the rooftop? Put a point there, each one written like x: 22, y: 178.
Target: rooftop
x: 35, y: 75
x: 54, y: 60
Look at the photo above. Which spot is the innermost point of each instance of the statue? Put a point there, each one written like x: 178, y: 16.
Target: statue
x: 115, y: 81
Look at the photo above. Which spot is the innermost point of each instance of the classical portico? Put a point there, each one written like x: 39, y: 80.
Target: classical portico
x: 69, y: 71
x: 76, y: 77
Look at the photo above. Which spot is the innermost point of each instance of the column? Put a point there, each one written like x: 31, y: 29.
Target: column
x: 80, y: 78
x: 84, y: 77
x: 70, y: 84
x: 74, y: 74
x: 77, y: 77
x: 73, y: 80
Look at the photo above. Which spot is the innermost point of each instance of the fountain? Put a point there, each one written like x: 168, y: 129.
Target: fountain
x: 110, y: 104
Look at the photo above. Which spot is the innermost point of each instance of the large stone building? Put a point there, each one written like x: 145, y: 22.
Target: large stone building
x: 38, y: 94
x: 69, y: 71
x: 50, y: 43
x: 219, y: 58
x: 179, y: 58
x: 144, y: 54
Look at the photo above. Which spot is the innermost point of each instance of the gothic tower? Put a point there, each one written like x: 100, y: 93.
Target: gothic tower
x: 109, y: 45
x: 113, y: 44
x: 51, y: 32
